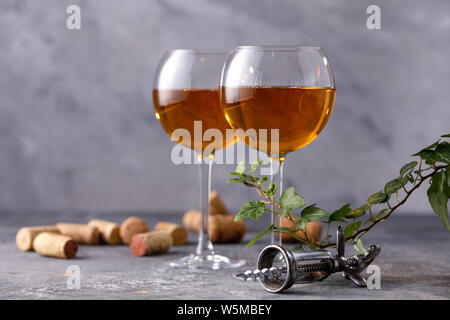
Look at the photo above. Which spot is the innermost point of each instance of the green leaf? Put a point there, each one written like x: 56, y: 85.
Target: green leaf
x: 241, y: 167
x: 301, y: 224
x: 359, y: 247
x: 377, y: 197
x: 380, y: 214
x: 351, y: 228
x: 253, y: 241
x: 312, y: 213
x: 271, y: 189
x: 447, y: 183
x: 394, y: 185
x: 262, y: 180
x: 290, y: 200
x: 234, y: 180
x: 341, y: 213
x: 255, y: 166
x: 358, y: 212
x: 408, y: 168
x: 430, y: 147
x: 252, y: 209
x: 442, y: 152
x: 410, y: 177
x: 445, y: 136
x: 438, y: 199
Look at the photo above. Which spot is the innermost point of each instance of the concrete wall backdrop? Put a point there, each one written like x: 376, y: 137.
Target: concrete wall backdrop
x: 77, y: 129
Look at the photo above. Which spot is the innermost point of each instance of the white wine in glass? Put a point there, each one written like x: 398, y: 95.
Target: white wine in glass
x: 288, y: 88
x: 186, y: 91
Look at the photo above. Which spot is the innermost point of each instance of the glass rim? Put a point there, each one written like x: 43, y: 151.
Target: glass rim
x: 200, y: 51
x: 278, y: 48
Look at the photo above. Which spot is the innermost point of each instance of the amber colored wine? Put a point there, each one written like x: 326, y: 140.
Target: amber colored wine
x: 300, y: 113
x: 179, y: 108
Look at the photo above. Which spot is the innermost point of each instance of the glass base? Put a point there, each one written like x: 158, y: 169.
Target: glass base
x: 210, y: 261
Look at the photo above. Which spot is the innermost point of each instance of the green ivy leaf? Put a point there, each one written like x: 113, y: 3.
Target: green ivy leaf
x: 442, y: 152
x: 255, y: 166
x: 351, y: 228
x: 438, y: 199
x: 290, y: 200
x: 241, y: 167
x: 358, y: 212
x: 394, y: 185
x: 359, y: 246
x: 262, y: 180
x: 301, y: 224
x: 252, y: 209
x: 377, y: 197
x: 381, y: 213
x: 233, y: 180
x: 341, y: 213
x: 271, y: 189
x: 408, y: 168
x: 447, y: 183
x: 262, y: 233
x: 429, y: 148
x: 312, y: 213
x: 410, y: 177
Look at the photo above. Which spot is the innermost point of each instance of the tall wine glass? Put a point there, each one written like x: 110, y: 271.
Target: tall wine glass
x: 288, y: 88
x: 186, y: 101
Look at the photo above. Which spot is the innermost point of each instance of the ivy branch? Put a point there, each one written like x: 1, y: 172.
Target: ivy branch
x: 433, y: 166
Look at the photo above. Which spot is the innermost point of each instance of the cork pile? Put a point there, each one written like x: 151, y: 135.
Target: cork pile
x: 62, y: 239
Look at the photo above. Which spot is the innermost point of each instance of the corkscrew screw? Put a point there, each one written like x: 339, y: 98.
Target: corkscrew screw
x: 278, y: 268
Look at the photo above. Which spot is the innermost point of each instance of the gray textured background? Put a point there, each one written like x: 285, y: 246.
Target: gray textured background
x: 77, y: 129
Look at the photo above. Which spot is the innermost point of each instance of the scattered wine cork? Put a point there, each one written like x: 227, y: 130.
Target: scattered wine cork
x: 55, y: 245
x: 81, y: 233
x: 132, y: 226
x: 222, y: 229
x: 109, y: 231
x: 191, y: 220
x: 314, y: 228
x: 26, y: 235
x: 216, y: 205
x: 149, y: 243
x: 177, y: 233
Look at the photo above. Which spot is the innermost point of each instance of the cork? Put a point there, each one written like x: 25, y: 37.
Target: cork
x: 149, y: 243
x: 55, y: 245
x: 26, y: 235
x: 109, y: 231
x: 216, y: 205
x: 132, y: 226
x: 81, y: 233
x: 177, y: 233
x: 222, y: 229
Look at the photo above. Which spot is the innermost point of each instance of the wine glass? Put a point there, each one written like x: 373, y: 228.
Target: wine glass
x: 287, y: 91
x: 187, y: 105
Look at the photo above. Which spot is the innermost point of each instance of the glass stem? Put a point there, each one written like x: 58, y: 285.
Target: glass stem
x: 276, y: 175
x: 204, y: 246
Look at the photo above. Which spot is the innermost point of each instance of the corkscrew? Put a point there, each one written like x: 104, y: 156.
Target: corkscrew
x: 278, y: 268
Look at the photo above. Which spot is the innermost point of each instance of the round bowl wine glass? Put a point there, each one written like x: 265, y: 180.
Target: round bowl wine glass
x: 281, y: 97
x: 187, y: 105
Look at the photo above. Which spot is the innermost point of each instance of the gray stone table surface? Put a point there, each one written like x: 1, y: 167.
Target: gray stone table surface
x: 414, y: 264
